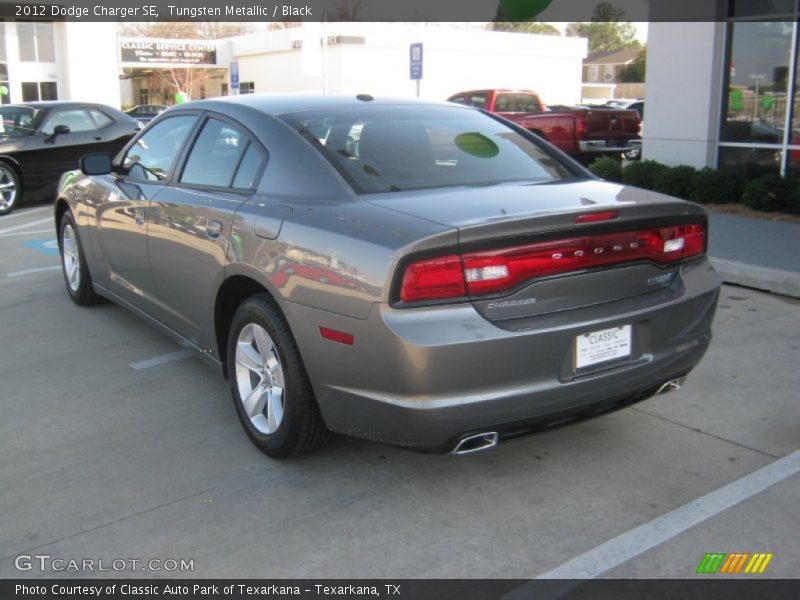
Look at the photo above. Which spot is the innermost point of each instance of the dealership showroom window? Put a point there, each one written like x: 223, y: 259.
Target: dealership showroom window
x: 760, y: 130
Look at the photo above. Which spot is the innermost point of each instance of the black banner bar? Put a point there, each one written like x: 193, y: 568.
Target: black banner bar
x: 367, y: 10
x: 705, y: 587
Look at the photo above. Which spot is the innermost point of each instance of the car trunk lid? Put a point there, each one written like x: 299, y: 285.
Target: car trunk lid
x: 517, y: 215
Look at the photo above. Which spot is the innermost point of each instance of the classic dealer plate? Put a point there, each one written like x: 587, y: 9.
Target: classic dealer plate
x: 602, y: 346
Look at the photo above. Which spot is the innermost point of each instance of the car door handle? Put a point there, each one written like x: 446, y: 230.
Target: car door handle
x: 213, y: 229
x: 98, y: 137
x: 138, y: 216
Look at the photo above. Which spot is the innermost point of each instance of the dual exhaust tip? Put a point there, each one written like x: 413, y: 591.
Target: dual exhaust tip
x: 673, y: 385
x: 478, y: 442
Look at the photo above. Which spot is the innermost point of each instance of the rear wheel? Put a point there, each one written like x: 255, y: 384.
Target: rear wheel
x: 73, y: 264
x: 634, y: 154
x: 269, y: 384
x: 9, y: 188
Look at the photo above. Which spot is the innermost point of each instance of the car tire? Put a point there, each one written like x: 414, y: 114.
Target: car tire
x: 73, y: 264
x: 269, y: 384
x: 10, y: 188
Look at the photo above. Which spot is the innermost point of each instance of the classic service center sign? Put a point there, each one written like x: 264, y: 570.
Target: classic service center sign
x: 177, y: 53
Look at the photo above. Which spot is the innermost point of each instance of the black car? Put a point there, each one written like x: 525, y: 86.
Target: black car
x: 146, y: 112
x: 41, y: 140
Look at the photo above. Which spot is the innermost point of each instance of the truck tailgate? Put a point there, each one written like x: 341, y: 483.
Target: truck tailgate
x: 611, y: 124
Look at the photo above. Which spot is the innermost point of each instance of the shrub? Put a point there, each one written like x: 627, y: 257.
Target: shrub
x: 642, y: 174
x: 675, y: 181
x: 766, y: 193
x: 716, y: 187
x: 607, y: 168
x: 793, y: 195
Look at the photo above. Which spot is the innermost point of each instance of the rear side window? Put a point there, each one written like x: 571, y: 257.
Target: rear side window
x: 154, y: 154
x: 76, y: 119
x: 249, y: 168
x: 478, y: 100
x: 517, y: 103
x: 397, y: 148
x: 100, y: 118
x: 215, y: 155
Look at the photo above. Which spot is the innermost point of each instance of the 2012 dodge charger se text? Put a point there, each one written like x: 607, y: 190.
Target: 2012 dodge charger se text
x: 420, y: 274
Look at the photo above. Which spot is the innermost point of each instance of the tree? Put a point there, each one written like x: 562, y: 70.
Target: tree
x: 606, y: 32
x: 185, y: 30
x: 636, y: 70
x: 344, y: 10
x: 525, y: 27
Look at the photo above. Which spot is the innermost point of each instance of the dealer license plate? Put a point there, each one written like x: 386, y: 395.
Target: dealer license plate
x: 602, y: 346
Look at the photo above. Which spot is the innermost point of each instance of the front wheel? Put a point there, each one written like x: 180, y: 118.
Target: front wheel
x: 73, y: 264
x: 269, y: 384
x: 9, y: 189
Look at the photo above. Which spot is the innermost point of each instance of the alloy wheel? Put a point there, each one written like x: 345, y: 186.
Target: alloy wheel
x: 259, y: 377
x: 70, y: 255
x: 8, y: 188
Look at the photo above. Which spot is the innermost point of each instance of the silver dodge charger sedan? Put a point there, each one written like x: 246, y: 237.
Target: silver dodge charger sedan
x: 421, y: 274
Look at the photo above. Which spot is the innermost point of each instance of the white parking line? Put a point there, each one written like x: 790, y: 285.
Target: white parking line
x: 26, y: 225
x: 29, y: 271
x: 160, y: 360
x: 22, y: 213
x: 35, y: 231
x: 622, y: 548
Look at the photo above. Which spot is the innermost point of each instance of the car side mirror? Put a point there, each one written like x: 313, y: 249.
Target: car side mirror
x: 96, y: 164
x: 57, y: 131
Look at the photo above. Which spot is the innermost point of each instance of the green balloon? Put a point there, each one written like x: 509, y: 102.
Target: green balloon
x: 522, y: 10
x: 3, y: 90
x: 477, y: 144
x: 768, y: 101
x: 181, y: 97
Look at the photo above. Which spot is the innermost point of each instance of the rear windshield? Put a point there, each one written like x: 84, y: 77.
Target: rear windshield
x: 397, y: 148
x: 517, y: 103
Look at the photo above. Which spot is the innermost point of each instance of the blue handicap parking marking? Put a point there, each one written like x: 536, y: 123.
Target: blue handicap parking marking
x: 48, y: 246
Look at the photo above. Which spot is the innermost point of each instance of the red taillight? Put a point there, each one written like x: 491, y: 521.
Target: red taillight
x: 433, y: 279
x: 495, y: 271
x: 694, y: 240
x: 580, y: 127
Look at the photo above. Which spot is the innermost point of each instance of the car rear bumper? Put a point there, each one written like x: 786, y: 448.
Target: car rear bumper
x: 607, y: 146
x: 425, y: 378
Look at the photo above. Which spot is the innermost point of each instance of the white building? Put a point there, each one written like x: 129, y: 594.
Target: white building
x: 50, y: 61
x: 88, y: 61
x: 374, y: 58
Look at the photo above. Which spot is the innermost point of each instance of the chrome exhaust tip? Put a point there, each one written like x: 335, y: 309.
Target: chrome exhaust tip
x: 476, y: 443
x: 673, y: 385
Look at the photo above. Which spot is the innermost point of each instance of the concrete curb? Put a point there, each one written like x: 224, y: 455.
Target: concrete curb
x: 777, y: 281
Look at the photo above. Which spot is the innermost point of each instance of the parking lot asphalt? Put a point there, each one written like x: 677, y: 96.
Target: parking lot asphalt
x: 115, y: 443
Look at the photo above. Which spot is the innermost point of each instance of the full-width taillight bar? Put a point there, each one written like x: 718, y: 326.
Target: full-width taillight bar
x: 497, y: 270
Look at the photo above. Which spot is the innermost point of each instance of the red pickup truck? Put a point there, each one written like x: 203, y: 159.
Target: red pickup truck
x: 582, y: 132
